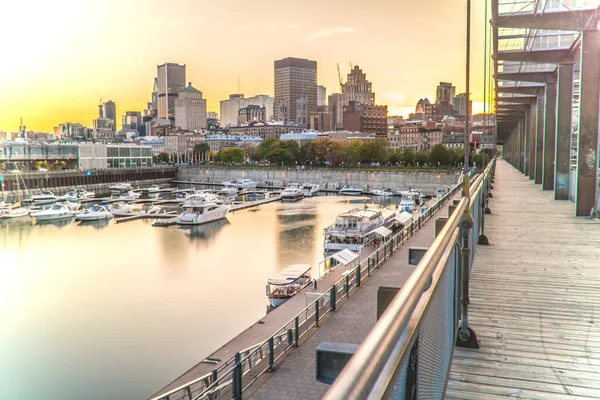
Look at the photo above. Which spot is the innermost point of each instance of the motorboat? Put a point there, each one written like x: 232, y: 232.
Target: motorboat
x: 310, y: 189
x: 148, y: 209
x: 410, y: 201
x: 287, y: 283
x: 56, y: 211
x: 120, y: 209
x: 130, y: 195
x: 241, y: 184
x: 292, y: 193
x: 14, y: 211
x: 77, y: 194
x: 355, y: 228
x: 95, y: 213
x: 183, y: 195
x: 153, y: 188
x: 382, y: 192
x: 411, y: 193
x: 348, y: 190
x: 70, y: 204
x: 229, y: 189
x: 121, y: 187
x: 199, y: 210
x: 46, y: 197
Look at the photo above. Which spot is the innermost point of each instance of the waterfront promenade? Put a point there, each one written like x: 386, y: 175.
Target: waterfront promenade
x: 534, y: 293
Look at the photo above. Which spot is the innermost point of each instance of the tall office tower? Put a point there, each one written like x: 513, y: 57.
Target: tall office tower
x: 109, y: 110
x: 295, y: 78
x: 460, y: 104
x: 357, y: 88
x: 132, y: 121
x: 321, y: 96
x: 444, y: 93
x: 336, y: 110
x: 171, y: 80
x: 190, y: 109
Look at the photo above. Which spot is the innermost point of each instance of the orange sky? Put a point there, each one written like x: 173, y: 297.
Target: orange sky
x: 55, y: 54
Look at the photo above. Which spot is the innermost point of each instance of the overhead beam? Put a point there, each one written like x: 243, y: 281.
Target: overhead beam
x: 535, y: 90
x: 540, y: 77
x: 575, y: 20
x: 518, y: 99
x: 535, y: 56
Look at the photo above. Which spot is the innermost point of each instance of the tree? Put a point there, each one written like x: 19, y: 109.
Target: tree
x: 350, y: 153
x: 250, y: 150
x: 374, y: 151
x: 293, y: 147
x: 307, y: 153
x: 421, y: 157
x: 439, y: 155
x: 280, y: 156
x: 232, y: 155
x: 162, y: 157
x: 202, y: 148
x: 394, y: 157
x: 265, y: 147
x: 408, y: 156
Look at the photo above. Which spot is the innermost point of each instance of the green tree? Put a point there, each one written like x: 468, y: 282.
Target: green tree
x: 408, y: 156
x: 280, y: 156
x: 374, y: 151
x: 439, y: 155
x: 394, y: 157
x: 162, y: 157
x: 202, y: 148
x: 307, y: 153
x: 293, y: 147
x: 350, y: 153
x: 422, y: 157
x: 232, y: 155
x: 265, y: 147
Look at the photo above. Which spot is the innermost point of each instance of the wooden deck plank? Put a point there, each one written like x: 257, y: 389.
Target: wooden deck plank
x: 535, y: 300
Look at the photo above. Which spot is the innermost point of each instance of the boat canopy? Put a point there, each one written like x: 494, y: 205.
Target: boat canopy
x: 345, y: 256
x: 404, y: 217
x: 382, y: 231
x: 290, y: 274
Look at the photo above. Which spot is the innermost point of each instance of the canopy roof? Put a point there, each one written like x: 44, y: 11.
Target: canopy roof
x: 289, y: 274
x: 382, y: 231
x: 345, y: 256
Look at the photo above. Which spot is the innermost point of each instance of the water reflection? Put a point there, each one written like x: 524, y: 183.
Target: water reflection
x: 59, y: 223
x: 205, y: 232
x: 100, y: 224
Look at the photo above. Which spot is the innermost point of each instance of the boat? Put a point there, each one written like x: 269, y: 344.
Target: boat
x: 410, y: 201
x: 241, y: 184
x: 201, y: 209
x: 121, y: 187
x: 382, y: 192
x: 130, y: 195
x: 354, y: 229
x: 120, y: 209
x: 287, y: 283
x: 292, y: 193
x: 348, y: 190
x: 95, y: 213
x: 153, y: 188
x: 69, y: 204
x: 46, y: 197
x: 411, y: 192
x: 14, y: 211
x: 229, y: 189
x: 183, y: 195
x: 310, y: 189
x: 148, y: 209
x: 56, y: 211
x: 77, y: 194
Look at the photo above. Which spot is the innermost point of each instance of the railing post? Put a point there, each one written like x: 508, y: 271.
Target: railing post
x: 358, y: 275
x: 296, y: 330
x: 317, y: 312
x: 483, y: 240
x: 237, y: 378
x: 369, y: 267
x: 215, y: 375
x: 332, y: 294
x: 347, y: 286
x: 290, y: 335
x: 271, y: 354
x: 377, y: 258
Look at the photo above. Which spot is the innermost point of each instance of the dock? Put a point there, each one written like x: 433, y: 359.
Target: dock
x: 133, y: 217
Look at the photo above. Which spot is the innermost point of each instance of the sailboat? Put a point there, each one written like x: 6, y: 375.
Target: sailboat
x: 16, y: 210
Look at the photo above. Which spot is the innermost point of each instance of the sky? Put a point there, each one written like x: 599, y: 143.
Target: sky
x: 58, y: 58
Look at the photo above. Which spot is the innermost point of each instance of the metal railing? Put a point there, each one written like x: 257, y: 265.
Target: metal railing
x: 247, y: 366
x: 408, y: 352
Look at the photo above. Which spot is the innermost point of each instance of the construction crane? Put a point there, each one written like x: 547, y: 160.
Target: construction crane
x: 340, y: 78
x: 351, y: 67
x: 100, y: 114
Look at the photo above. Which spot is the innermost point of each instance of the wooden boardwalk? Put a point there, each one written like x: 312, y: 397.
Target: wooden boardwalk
x: 534, y: 293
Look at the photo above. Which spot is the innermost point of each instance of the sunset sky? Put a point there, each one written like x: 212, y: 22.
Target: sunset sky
x: 56, y: 54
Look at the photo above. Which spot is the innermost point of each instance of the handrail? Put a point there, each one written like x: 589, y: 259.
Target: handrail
x: 389, y: 338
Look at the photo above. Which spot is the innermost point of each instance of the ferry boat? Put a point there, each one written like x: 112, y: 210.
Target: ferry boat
x: 289, y: 281
x: 56, y: 211
x: 353, y: 229
x: 382, y: 192
x: 348, y: 190
x: 292, y: 193
x: 310, y: 189
x: 201, y: 209
x: 46, y: 197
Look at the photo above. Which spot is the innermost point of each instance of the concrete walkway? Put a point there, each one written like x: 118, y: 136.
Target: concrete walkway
x: 534, y: 293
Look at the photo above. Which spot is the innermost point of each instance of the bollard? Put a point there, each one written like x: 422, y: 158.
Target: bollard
x: 297, y: 330
x: 271, y: 354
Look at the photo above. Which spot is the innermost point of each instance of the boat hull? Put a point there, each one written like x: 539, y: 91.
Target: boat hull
x: 350, y: 192
x: 40, y: 202
x: 52, y: 217
x: 277, y: 301
x: 290, y: 199
x: 95, y: 217
x: 202, y: 218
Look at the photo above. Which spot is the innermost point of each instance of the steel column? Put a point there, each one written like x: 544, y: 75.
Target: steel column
x: 549, y: 137
x: 539, y: 140
x: 532, y: 126
x: 563, y: 131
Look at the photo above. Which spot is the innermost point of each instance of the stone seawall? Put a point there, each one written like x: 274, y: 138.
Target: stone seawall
x: 363, y: 179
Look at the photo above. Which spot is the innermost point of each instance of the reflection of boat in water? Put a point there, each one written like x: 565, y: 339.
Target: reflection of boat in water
x: 205, y: 231
x: 59, y: 223
x: 288, y: 282
x: 98, y: 224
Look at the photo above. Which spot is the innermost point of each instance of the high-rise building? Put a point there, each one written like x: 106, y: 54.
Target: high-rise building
x: 321, y: 96
x: 212, y: 115
x: 229, y: 108
x: 336, y: 110
x: 70, y: 129
x: 190, y: 109
x: 445, y: 93
x: 132, y: 122
x: 109, y: 110
x: 460, y: 104
x: 170, y: 81
x: 366, y: 118
x: 295, y: 78
x: 357, y: 88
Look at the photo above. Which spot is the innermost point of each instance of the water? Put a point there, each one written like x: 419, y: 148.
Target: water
x: 105, y: 310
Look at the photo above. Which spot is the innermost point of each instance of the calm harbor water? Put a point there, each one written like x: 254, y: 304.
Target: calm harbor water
x: 116, y: 311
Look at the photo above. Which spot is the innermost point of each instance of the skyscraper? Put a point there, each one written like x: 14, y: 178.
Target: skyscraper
x: 170, y: 80
x: 460, y: 104
x: 190, y: 109
x: 445, y: 93
x: 132, y: 121
x: 295, y: 78
x: 109, y: 110
x: 357, y: 88
x: 321, y: 95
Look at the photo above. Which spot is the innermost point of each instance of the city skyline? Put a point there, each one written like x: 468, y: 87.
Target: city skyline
x: 55, y: 69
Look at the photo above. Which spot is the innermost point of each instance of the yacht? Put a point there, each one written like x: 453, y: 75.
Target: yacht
x: 310, y: 189
x: 121, y: 187
x: 229, y: 189
x: 353, y: 229
x: 95, y: 213
x: 14, y: 211
x: 184, y: 195
x: 292, y: 193
x: 56, y: 211
x: 70, y: 204
x: 348, y: 190
x: 77, y: 194
x: 46, y: 197
x: 411, y: 193
x: 241, y: 184
x: 382, y: 192
x: 410, y: 201
x: 120, y: 209
x: 199, y: 210
x: 130, y: 195
x: 289, y: 281
x: 148, y: 209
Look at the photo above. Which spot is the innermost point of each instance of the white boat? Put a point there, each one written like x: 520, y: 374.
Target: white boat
x: 410, y: 201
x: 184, y: 195
x: 289, y: 281
x: 130, y: 195
x: 121, y: 187
x: 77, y: 194
x: 348, y: 190
x: 153, y: 188
x: 229, y: 189
x: 382, y: 192
x: 14, y: 211
x: 310, y: 189
x: 95, y: 213
x: 353, y: 229
x: 241, y: 184
x: 411, y: 193
x: 56, y: 211
x: 199, y: 209
x: 70, y: 205
x: 149, y: 208
x: 292, y: 193
x: 46, y: 197
x: 120, y: 209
